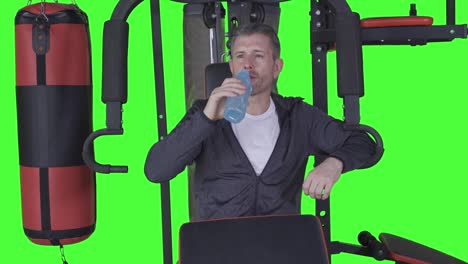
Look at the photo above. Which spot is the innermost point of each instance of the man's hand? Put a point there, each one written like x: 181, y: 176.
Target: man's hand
x: 231, y: 87
x: 321, y: 179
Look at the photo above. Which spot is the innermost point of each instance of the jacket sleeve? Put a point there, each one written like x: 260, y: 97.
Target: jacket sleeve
x: 328, y: 137
x: 169, y: 156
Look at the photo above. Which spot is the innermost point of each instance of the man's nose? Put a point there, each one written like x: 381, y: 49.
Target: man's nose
x: 249, y: 62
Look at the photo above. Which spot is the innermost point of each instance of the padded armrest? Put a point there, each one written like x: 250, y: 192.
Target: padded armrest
x: 407, y: 21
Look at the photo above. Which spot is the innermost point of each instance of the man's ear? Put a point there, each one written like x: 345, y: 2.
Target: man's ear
x: 278, y: 66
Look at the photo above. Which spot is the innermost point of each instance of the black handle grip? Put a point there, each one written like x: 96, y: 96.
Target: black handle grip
x: 114, y: 58
x: 349, y: 55
x: 377, y: 250
x: 88, y: 156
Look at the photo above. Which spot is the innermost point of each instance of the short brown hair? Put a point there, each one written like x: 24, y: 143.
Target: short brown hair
x: 257, y: 28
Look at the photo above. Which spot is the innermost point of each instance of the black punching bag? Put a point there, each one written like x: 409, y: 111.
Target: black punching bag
x: 54, y: 100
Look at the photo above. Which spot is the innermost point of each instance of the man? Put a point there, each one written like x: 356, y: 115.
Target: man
x: 256, y: 167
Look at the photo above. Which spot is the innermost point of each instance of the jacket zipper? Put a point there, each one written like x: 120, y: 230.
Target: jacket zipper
x: 246, y: 159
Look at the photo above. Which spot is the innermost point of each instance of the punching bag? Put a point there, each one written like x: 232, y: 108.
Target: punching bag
x: 54, y: 100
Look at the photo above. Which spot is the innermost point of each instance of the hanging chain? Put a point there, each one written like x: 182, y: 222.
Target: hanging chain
x: 42, y: 7
x: 62, y: 252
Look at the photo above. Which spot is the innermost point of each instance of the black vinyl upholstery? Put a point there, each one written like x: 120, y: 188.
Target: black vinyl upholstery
x: 214, y: 76
x: 253, y: 240
x: 407, y: 251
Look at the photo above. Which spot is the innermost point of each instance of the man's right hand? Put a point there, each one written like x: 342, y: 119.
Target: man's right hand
x: 231, y: 87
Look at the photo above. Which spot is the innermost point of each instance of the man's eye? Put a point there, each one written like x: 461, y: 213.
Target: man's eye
x: 259, y: 56
x: 239, y: 56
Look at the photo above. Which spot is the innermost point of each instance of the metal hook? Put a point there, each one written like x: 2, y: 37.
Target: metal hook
x: 43, y: 14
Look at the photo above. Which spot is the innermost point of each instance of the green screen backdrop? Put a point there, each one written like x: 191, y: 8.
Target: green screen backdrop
x: 414, y: 96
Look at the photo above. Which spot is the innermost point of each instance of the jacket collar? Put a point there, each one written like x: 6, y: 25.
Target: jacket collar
x: 284, y: 104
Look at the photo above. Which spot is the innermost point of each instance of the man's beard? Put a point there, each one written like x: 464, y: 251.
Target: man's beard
x: 258, y: 88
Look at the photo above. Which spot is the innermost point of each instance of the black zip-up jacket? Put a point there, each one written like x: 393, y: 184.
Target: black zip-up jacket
x: 225, y: 182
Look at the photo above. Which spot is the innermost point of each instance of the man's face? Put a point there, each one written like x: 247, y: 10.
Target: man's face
x: 255, y: 54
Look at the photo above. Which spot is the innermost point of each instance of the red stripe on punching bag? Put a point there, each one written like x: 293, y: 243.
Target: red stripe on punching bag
x: 72, y: 197
x: 30, y: 198
x: 68, y: 58
x: 25, y: 56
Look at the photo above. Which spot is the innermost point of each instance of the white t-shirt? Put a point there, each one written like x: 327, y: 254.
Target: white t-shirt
x: 257, y: 136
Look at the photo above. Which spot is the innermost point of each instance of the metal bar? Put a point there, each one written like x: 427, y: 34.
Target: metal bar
x: 320, y: 100
x: 124, y: 8
x: 338, y: 6
x: 218, y: 33
x: 412, y: 35
x: 340, y: 247
x: 450, y: 12
x: 162, y: 125
x: 398, y: 35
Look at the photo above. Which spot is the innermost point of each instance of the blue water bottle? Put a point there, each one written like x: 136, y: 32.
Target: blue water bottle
x: 235, y: 107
